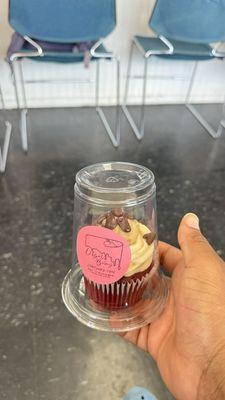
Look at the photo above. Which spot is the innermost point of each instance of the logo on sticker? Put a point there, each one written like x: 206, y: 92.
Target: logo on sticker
x: 103, y: 255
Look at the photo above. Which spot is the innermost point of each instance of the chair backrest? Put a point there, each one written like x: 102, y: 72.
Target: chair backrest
x: 196, y: 21
x: 65, y: 21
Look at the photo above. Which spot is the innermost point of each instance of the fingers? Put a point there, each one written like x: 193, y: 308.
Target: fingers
x: 196, y: 250
x: 139, y: 337
x: 169, y: 256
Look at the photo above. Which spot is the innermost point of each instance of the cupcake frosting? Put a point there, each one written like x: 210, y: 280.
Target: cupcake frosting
x: 141, y: 251
x: 138, y: 236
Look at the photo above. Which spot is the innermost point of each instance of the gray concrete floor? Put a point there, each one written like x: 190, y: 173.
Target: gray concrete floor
x: 45, y: 353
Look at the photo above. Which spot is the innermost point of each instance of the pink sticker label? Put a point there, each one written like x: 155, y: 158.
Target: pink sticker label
x: 103, y: 255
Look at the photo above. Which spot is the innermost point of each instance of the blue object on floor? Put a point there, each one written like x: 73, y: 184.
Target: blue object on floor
x: 139, y: 393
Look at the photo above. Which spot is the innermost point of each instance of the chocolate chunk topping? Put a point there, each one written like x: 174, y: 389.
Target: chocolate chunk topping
x: 149, y: 237
x: 128, y: 216
x: 115, y: 217
x: 124, y: 224
x: 110, y: 222
x: 118, y: 212
x: 101, y: 219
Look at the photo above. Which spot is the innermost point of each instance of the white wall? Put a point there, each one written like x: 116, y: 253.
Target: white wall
x: 168, y: 80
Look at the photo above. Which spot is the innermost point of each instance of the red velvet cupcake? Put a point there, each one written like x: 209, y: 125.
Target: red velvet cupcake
x: 128, y: 290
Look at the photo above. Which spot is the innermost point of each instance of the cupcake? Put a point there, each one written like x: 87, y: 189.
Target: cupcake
x: 129, y: 289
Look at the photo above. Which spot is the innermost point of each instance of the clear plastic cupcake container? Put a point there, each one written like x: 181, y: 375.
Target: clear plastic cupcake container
x: 115, y: 282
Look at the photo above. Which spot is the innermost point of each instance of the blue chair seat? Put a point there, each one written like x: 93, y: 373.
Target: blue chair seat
x: 182, y: 50
x: 65, y: 57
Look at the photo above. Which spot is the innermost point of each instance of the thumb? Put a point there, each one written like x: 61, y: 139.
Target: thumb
x: 197, y: 251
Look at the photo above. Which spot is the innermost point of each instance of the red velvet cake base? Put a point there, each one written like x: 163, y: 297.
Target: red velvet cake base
x: 123, y: 293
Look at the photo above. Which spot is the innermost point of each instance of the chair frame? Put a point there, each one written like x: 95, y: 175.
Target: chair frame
x: 139, y: 130
x: 114, y: 135
x: 7, y: 136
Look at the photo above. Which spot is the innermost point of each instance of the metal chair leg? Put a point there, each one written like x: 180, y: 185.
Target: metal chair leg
x: 23, y: 107
x: 139, y: 131
x: 23, y: 129
x: 114, y: 137
x: 212, y: 132
x: 128, y: 73
x: 5, y: 149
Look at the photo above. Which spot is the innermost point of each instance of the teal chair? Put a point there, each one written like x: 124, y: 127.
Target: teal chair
x: 73, y: 21
x: 7, y: 136
x: 185, y: 30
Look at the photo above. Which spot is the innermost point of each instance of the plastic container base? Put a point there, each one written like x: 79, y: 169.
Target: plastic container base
x: 93, y: 315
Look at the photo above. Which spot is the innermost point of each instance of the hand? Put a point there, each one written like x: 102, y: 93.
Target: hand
x: 188, y: 340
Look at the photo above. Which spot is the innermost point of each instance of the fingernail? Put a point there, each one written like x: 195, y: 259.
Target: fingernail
x: 191, y: 220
